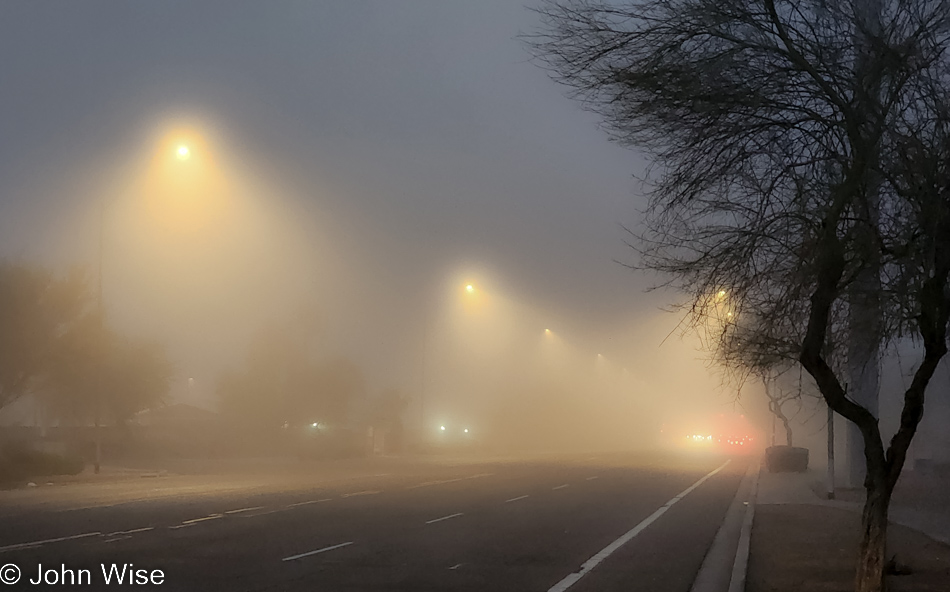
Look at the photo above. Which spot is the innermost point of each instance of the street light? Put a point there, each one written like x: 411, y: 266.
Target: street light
x: 182, y: 153
x: 469, y: 289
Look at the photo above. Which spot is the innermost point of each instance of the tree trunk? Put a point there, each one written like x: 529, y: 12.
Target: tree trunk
x: 788, y: 431
x: 872, y: 553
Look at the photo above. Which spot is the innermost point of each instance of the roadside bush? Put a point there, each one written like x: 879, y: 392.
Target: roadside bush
x: 19, y: 464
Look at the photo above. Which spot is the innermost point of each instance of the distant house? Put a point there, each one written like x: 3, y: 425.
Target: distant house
x: 176, y: 416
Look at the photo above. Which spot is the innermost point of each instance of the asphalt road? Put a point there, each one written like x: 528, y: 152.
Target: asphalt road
x: 395, y: 524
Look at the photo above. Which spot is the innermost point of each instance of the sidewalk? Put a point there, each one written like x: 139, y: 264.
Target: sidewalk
x: 802, y: 542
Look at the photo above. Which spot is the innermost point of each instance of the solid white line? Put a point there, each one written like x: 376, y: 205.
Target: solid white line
x: 592, y: 478
x: 310, y: 502
x: 43, y: 542
x: 591, y: 563
x: 560, y: 487
x: 244, y: 510
x: 445, y: 518
x: 514, y: 499
x: 309, y: 553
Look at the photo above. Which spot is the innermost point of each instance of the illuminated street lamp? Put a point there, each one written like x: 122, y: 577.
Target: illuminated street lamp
x: 182, y: 153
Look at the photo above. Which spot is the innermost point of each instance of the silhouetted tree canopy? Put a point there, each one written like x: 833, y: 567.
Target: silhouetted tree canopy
x: 801, y: 155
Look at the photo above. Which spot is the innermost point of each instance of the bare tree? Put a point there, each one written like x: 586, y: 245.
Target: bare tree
x: 791, y: 162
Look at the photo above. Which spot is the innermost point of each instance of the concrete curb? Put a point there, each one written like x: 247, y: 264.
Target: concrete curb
x: 723, y: 567
x: 741, y: 564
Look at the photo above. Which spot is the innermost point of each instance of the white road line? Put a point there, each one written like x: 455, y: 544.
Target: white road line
x: 197, y: 520
x: 456, y: 515
x: 121, y: 538
x: 441, y: 481
x: 43, y: 542
x: 456, y: 566
x: 591, y: 563
x: 560, y: 487
x: 262, y: 513
x: 327, y: 499
x: 514, y: 499
x: 592, y: 478
x: 244, y: 510
x: 133, y: 531
x: 309, y: 553
x: 356, y: 493
x: 428, y: 483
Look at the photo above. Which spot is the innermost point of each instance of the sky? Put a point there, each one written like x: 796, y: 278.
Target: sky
x: 367, y: 158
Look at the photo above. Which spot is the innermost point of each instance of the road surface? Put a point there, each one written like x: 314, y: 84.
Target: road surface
x: 380, y: 524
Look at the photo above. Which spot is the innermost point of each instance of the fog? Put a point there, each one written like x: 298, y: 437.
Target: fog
x: 353, y: 168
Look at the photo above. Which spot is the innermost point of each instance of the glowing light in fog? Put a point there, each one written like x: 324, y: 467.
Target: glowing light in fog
x: 442, y: 428
x: 466, y: 430
x: 470, y: 288
x: 183, y: 153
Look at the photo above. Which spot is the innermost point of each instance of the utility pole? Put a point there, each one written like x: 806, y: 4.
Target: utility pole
x: 830, y: 477
x: 99, y: 347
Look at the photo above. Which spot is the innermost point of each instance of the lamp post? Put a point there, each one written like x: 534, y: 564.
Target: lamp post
x: 182, y: 153
x: 469, y: 289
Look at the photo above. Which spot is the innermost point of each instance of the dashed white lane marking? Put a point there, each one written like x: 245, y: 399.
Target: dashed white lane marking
x: 121, y: 538
x: 560, y: 487
x: 43, y: 542
x: 455, y: 480
x: 264, y: 513
x: 241, y: 510
x: 133, y: 531
x: 440, y: 482
x: 326, y: 499
x: 197, y: 520
x: 309, y: 553
x: 193, y: 521
x: 514, y: 499
x: 591, y: 563
x: 456, y: 566
x: 356, y: 493
x: 592, y: 478
x: 456, y: 515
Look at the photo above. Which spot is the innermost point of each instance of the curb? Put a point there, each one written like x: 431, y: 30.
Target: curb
x: 740, y: 566
x: 724, y: 566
